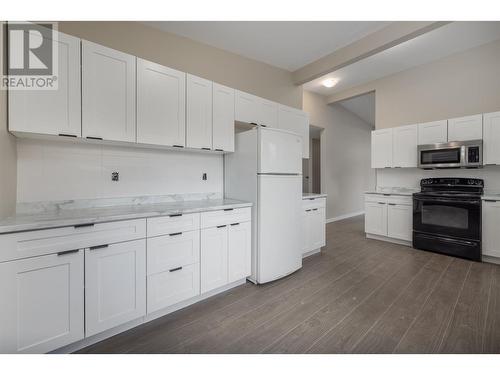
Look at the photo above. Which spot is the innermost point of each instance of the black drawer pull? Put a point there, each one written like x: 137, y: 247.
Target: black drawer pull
x: 219, y: 149
x: 228, y: 209
x: 206, y: 148
x: 315, y: 209
x: 175, y: 269
x: 490, y: 200
x: 311, y: 199
x: 264, y: 126
x: 221, y: 226
x: 95, y: 138
x: 179, y: 146
x: 490, y: 164
x: 381, y: 202
x: 67, y: 135
x: 308, y: 210
x: 68, y: 252
x: 83, y: 225
x: 391, y: 204
x: 175, y: 234
x: 234, y: 224
x: 253, y: 123
x: 174, y: 215
x: 98, y: 247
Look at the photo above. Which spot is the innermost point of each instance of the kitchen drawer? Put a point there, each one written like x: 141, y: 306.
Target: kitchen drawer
x: 375, y: 198
x: 171, y: 251
x: 170, y: 287
x: 400, y: 200
x: 158, y: 226
x: 314, y: 203
x: 49, y: 241
x: 224, y: 217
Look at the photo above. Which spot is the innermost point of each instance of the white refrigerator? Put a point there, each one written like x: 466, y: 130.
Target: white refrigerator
x: 266, y: 169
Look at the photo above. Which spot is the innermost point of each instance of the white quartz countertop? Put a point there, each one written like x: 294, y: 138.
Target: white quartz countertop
x: 495, y: 196
x: 393, y: 191
x: 77, y: 216
x: 313, y: 195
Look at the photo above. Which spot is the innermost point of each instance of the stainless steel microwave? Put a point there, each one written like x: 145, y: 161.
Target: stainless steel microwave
x: 466, y: 154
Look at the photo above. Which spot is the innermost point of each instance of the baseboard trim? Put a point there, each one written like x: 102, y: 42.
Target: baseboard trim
x: 490, y: 259
x: 312, y: 252
x: 389, y: 239
x: 346, y: 216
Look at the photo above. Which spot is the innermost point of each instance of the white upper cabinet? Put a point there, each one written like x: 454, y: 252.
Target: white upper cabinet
x: 465, y: 128
x: 223, y: 118
x: 268, y: 112
x: 161, y: 105
x: 491, y: 138
x: 297, y: 121
x: 405, y: 146
x: 198, y: 113
x: 433, y: 132
x: 247, y: 107
x: 108, y: 93
x: 54, y: 112
x: 42, y: 302
x: 382, y: 148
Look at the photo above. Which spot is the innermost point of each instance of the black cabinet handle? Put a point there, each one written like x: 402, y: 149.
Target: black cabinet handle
x: 175, y: 234
x: 221, y: 226
x: 228, y: 209
x: 98, y: 247
x: 206, y: 148
x: 311, y: 199
x: 253, y: 123
x: 381, y: 202
x: 95, y: 138
x: 67, y: 135
x: 308, y: 210
x: 175, y: 269
x: 392, y: 204
x: 83, y: 225
x: 315, y: 209
x: 219, y: 149
x: 490, y: 200
x: 490, y: 164
x: 68, y: 252
x: 179, y: 146
x: 234, y: 224
x: 264, y: 126
x: 174, y: 215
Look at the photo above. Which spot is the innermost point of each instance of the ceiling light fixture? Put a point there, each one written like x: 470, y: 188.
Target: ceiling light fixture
x: 330, y: 82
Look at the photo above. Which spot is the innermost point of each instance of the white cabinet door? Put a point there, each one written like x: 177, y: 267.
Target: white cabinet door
x: 382, y: 148
x: 115, y: 285
x: 433, y: 132
x: 161, y: 105
x: 306, y: 231
x: 247, y: 107
x: 399, y: 221
x: 491, y: 138
x: 297, y: 121
x: 198, y: 113
x: 376, y: 218
x: 465, y: 128
x: 42, y: 303
x: 268, y: 113
x: 55, y: 112
x: 491, y: 234
x: 405, y: 146
x: 317, y: 228
x: 214, y: 249
x: 108, y: 93
x: 223, y: 118
x: 239, y: 251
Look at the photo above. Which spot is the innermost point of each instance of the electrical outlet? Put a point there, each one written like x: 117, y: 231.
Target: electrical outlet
x: 115, y: 176
x: 204, y: 177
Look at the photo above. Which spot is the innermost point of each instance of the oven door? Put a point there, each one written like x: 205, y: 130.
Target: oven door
x: 453, y: 217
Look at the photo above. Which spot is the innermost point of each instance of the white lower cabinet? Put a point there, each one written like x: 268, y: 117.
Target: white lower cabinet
x: 214, y: 255
x: 239, y: 251
x: 115, y: 285
x: 42, y: 302
x: 313, y: 223
x: 491, y: 234
x: 389, y: 216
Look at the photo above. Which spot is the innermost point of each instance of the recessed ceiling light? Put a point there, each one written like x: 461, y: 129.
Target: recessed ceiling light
x: 330, y: 82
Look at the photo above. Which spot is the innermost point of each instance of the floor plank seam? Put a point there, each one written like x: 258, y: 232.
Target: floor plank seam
x: 483, y: 341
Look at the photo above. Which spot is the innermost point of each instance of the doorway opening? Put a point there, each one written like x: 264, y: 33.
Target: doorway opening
x: 311, y: 168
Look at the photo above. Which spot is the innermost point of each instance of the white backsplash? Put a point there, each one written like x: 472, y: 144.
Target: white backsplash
x: 54, y: 171
x: 410, y: 177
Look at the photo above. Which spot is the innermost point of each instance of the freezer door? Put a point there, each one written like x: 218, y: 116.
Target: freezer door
x: 280, y: 151
x: 279, y: 226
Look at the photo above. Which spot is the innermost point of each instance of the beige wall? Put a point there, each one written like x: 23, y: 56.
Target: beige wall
x: 345, y: 155
x: 462, y: 84
x: 7, y: 154
x: 192, y: 57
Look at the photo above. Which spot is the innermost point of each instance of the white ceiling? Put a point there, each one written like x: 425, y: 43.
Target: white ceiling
x: 439, y: 43
x: 286, y: 44
x: 363, y: 106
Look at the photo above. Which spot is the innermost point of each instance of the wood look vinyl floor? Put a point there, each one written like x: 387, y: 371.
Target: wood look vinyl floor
x: 356, y: 296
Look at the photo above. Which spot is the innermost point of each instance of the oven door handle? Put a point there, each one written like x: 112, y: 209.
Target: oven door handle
x: 441, y: 200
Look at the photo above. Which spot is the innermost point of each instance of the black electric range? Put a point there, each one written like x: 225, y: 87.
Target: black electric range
x: 447, y: 216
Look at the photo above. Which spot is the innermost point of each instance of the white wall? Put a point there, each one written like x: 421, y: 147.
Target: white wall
x: 345, y: 155
x: 49, y: 170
